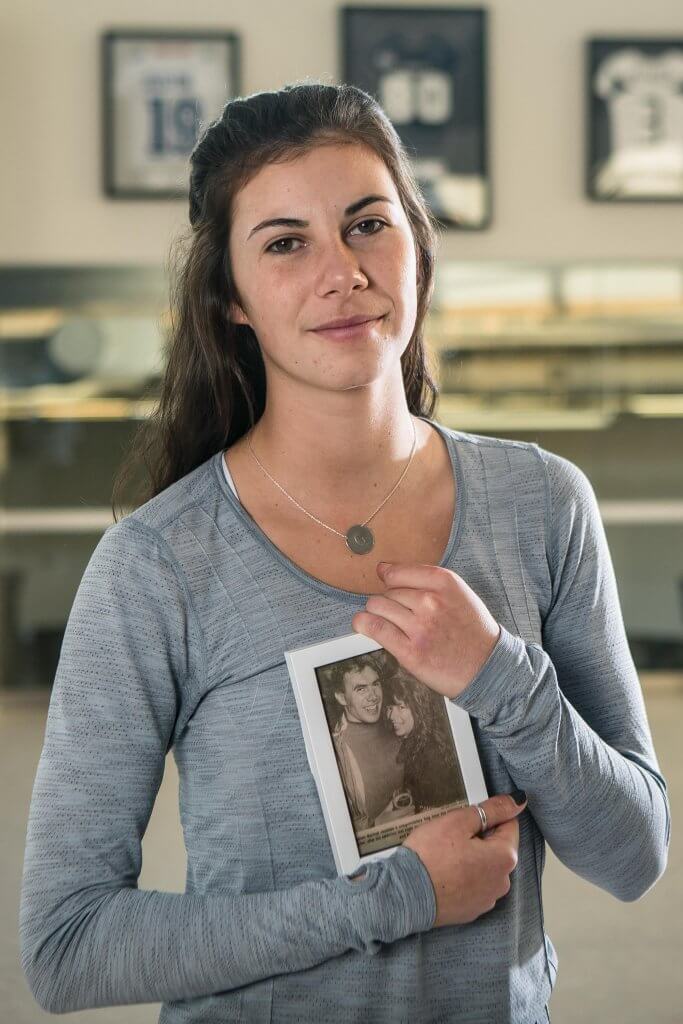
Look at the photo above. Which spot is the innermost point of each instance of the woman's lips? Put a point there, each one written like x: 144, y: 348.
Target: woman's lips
x: 354, y: 331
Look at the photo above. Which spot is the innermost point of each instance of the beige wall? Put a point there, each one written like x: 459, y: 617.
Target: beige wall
x: 53, y: 210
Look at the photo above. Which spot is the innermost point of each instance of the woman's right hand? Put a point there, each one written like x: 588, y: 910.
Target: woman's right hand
x: 469, y: 872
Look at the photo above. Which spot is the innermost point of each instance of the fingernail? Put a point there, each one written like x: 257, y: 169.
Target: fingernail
x: 519, y: 796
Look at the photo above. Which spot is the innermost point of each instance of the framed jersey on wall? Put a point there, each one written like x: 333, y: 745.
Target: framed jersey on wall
x: 635, y: 119
x: 158, y: 88
x: 427, y: 68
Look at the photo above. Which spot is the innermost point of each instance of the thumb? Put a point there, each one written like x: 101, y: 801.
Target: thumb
x: 498, y: 809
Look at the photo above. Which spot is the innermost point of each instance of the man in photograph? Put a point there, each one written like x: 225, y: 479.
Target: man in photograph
x: 366, y: 748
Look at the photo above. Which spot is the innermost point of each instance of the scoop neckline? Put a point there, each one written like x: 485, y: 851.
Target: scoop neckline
x: 313, y: 581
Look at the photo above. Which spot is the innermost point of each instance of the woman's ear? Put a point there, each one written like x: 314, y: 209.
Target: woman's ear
x: 237, y: 315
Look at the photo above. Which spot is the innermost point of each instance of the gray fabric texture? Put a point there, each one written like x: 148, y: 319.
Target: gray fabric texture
x: 175, y: 641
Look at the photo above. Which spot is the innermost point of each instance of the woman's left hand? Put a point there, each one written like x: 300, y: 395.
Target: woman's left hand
x: 433, y: 623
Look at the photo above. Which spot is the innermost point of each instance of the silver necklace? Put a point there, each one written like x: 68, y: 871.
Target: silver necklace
x: 358, y: 538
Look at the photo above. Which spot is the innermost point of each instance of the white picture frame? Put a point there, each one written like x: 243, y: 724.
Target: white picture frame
x: 315, y: 671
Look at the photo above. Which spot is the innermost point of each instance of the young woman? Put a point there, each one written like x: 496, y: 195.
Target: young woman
x: 431, y: 771
x: 293, y: 454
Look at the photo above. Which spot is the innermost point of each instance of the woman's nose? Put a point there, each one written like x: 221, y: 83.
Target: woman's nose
x: 340, y: 270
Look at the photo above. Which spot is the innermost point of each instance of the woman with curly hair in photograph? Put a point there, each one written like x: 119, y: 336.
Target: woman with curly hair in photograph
x: 432, y: 773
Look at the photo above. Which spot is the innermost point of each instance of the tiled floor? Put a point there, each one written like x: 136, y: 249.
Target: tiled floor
x: 619, y: 963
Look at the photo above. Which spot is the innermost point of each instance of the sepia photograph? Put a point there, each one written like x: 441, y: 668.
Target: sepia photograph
x: 389, y: 752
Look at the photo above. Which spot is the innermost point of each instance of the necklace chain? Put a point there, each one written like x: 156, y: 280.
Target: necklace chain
x: 310, y: 515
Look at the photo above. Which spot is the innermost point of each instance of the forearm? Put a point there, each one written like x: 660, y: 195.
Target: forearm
x: 603, y: 811
x: 136, y: 946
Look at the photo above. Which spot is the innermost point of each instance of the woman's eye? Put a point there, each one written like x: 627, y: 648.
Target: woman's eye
x: 287, y: 251
x: 279, y: 241
x: 370, y: 220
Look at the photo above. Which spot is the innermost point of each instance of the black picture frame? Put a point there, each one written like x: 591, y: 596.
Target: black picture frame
x: 634, y: 148
x: 158, y: 89
x: 427, y: 66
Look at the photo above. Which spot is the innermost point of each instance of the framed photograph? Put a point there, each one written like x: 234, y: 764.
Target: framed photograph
x: 386, y: 751
x: 635, y: 119
x: 157, y: 89
x: 427, y: 68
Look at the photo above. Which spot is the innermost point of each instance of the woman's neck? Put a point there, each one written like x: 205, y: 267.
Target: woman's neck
x: 331, y: 454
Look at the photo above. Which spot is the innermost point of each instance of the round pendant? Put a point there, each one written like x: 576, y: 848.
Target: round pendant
x: 360, y: 539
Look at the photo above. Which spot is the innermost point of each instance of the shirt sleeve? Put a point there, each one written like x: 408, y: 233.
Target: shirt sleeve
x: 89, y: 937
x: 568, y: 717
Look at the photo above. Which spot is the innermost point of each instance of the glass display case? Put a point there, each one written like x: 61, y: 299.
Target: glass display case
x: 584, y: 359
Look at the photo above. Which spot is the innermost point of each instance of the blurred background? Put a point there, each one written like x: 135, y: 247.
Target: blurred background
x: 557, y: 318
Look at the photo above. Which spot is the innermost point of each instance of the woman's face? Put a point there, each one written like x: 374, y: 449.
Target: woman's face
x: 350, y: 252
x: 401, y: 718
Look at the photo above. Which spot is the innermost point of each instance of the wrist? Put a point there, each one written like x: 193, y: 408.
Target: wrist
x: 497, y: 683
x: 487, y: 646
x: 398, y: 901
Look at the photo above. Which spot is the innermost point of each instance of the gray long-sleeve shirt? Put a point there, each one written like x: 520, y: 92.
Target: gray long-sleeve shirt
x: 175, y: 641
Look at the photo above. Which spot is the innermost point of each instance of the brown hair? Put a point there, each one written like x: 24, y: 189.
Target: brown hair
x: 213, y: 389
x: 339, y: 671
x: 428, y: 712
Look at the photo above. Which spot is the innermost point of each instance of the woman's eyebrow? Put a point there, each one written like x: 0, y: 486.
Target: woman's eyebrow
x: 293, y: 222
